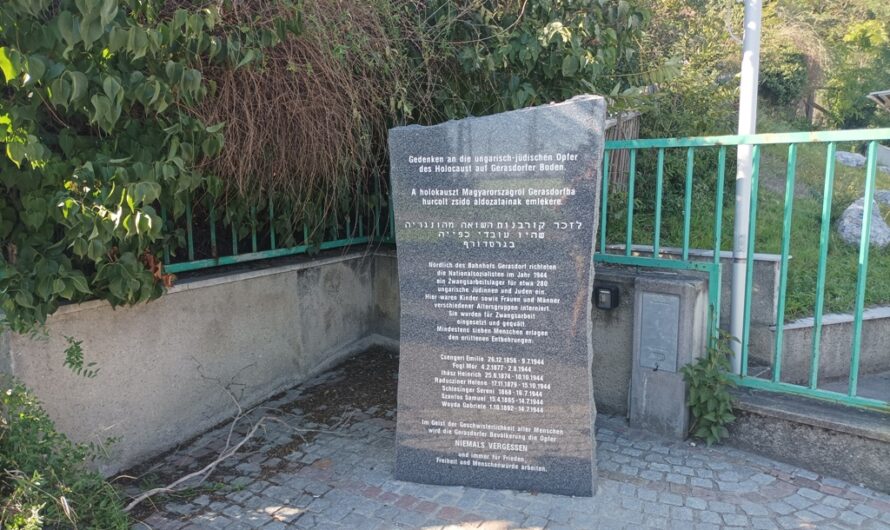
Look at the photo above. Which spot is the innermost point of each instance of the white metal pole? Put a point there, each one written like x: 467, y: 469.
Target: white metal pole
x: 745, y: 165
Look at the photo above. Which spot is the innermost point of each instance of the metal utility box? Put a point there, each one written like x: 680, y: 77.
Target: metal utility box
x: 670, y: 331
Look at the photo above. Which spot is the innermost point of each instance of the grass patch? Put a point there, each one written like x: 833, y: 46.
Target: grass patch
x: 842, y: 262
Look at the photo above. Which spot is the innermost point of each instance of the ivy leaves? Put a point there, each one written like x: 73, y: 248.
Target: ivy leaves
x: 97, y: 142
x: 513, y: 55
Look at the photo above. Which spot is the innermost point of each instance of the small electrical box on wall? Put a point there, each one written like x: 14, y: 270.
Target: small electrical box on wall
x: 605, y: 296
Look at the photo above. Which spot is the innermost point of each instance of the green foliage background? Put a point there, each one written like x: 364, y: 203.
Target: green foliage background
x: 96, y: 138
x: 44, y: 478
x: 101, y: 138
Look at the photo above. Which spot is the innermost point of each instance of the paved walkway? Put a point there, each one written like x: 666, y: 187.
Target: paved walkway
x: 337, y: 473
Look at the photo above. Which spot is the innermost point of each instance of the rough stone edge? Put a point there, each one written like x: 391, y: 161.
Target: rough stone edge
x: 856, y: 459
x: 819, y: 414
x: 224, y: 278
x: 872, y: 313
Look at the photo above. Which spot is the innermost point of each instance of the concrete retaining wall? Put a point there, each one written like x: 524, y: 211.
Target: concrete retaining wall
x: 836, y: 342
x: 164, y: 366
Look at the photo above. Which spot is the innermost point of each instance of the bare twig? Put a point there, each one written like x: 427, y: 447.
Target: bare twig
x: 198, y: 477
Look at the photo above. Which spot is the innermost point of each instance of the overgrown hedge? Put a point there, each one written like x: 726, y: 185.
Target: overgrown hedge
x: 44, y: 478
x: 116, y: 111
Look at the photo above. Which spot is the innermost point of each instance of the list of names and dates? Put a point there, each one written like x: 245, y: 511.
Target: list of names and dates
x: 497, y: 302
x: 494, y: 241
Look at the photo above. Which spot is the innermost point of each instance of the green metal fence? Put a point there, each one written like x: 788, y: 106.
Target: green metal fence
x: 769, y: 376
x: 212, y: 240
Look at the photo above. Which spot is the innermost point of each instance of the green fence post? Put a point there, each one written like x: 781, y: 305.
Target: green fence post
x: 862, y: 269
x: 749, y: 270
x: 687, y: 202
x: 604, y: 213
x: 628, y: 243
x: 824, y: 235
x: 659, y: 191
x: 783, y: 267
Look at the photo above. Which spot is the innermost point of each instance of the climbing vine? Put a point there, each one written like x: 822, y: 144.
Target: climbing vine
x: 97, y: 136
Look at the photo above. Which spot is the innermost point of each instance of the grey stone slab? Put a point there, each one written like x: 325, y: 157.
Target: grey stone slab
x: 495, y: 219
x: 670, y: 328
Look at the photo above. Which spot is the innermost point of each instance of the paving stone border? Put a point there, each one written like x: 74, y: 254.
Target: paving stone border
x: 343, y: 479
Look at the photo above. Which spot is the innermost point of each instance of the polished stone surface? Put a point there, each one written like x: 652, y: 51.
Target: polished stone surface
x: 495, y: 219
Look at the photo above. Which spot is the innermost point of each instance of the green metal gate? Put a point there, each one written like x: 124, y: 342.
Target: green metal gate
x: 715, y: 174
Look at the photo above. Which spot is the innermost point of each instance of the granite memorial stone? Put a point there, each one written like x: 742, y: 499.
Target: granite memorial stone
x: 495, y: 220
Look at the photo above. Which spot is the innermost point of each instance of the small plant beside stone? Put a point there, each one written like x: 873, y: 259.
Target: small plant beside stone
x: 709, y: 398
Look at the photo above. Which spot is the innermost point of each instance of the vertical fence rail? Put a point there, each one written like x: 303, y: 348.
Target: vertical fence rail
x: 659, y: 197
x: 783, y: 263
x: 718, y: 202
x: 824, y: 236
x: 862, y: 267
x: 213, y: 250
x: 631, y: 180
x: 687, y: 201
x: 604, y: 204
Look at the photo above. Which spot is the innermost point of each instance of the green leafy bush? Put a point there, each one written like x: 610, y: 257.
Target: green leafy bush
x: 709, y: 397
x: 44, y: 480
x: 98, y: 141
x: 494, y: 56
x: 783, y: 74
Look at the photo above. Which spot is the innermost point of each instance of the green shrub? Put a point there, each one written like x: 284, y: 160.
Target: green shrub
x: 44, y: 480
x: 783, y: 74
x: 98, y: 142
x: 709, y: 398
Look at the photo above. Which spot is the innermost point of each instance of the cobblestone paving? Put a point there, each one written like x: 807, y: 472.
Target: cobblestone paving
x: 341, y: 477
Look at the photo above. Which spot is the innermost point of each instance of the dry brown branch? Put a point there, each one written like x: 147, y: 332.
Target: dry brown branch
x: 198, y: 477
x: 202, y: 474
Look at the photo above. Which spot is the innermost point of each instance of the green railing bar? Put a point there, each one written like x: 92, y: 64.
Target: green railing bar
x: 632, y: 174
x: 816, y: 393
x: 345, y: 242
x: 862, y: 272
x: 641, y: 261
x: 824, y: 237
x: 377, y: 207
x: 264, y: 254
x: 855, y: 135
x: 190, y: 237
x: 253, y: 245
x: 234, y: 260
x: 272, y: 242
x: 749, y: 270
x: 361, y: 224
x: 783, y: 267
x: 234, y: 239
x: 659, y: 191
x: 718, y: 206
x: 714, y: 296
x: 604, y: 206
x: 213, y: 250
x: 166, y: 246
x: 305, y: 234
x: 714, y: 282
x: 687, y: 202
